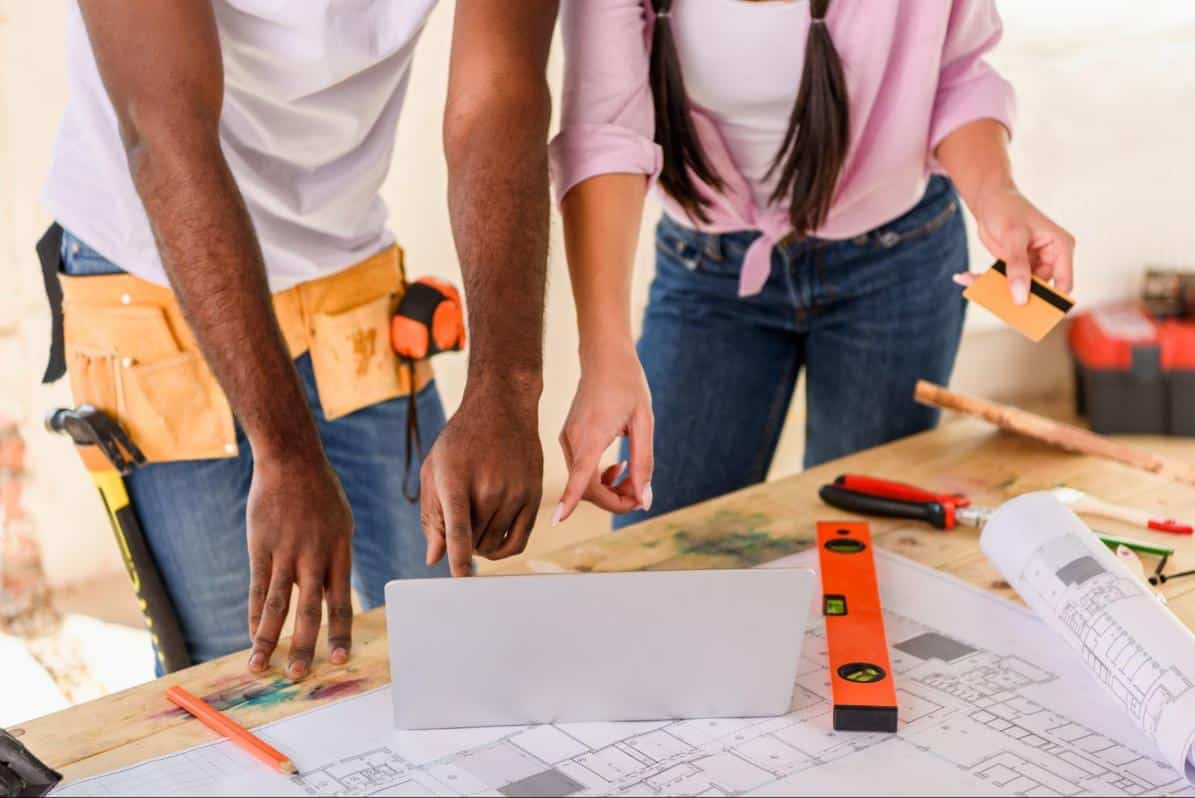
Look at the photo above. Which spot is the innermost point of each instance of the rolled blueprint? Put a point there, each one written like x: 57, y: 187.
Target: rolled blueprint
x: 1142, y: 654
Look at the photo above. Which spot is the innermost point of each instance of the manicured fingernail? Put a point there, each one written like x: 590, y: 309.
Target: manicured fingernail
x: 1020, y: 291
x: 556, y: 515
x: 297, y: 670
x: 647, y: 496
x: 257, y: 661
x: 959, y: 279
x: 340, y: 656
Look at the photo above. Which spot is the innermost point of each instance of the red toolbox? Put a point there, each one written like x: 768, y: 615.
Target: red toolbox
x: 1134, y: 373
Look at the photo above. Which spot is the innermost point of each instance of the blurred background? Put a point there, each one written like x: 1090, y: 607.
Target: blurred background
x: 1105, y: 144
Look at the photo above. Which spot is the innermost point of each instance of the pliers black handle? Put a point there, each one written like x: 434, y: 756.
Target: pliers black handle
x: 931, y: 512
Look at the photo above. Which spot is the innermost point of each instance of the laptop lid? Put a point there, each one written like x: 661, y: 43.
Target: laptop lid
x: 595, y: 647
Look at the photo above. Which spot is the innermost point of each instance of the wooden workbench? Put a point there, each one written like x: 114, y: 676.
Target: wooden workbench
x: 746, y: 528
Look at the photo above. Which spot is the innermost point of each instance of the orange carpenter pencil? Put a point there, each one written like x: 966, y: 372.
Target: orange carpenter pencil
x: 217, y: 721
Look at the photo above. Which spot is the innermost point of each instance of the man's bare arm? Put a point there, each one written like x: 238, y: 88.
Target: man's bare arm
x: 161, y: 66
x: 483, y: 479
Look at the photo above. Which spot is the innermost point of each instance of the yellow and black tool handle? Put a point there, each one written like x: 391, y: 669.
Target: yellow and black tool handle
x: 108, y: 453
x: 156, y: 606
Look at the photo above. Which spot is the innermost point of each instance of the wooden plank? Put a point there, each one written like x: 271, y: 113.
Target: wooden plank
x: 777, y: 518
x: 742, y: 529
x: 138, y: 723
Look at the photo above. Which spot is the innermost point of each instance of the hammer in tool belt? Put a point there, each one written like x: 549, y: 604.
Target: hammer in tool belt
x: 108, y: 454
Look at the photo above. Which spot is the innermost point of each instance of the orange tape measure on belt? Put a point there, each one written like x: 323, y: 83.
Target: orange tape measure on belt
x: 861, y: 682
x: 430, y: 319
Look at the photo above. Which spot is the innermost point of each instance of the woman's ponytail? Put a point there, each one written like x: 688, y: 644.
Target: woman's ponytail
x: 815, y: 145
x: 674, y: 126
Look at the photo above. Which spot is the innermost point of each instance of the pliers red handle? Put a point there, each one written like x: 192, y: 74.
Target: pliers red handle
x: 870, y: 496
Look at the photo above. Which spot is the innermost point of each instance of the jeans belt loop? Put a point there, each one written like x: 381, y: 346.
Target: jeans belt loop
x: 713, y: 247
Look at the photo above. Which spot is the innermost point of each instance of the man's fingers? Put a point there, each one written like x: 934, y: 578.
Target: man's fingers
x: 493, y: 535
x: 582, y: 471
x: 640, y: 435
x: 431, y: 518
x: 340, y: 607
x: 458, y: 531
x: 520, y: 532
x: 259, y: 585
x: 273, y: 615
x: 308, y: 614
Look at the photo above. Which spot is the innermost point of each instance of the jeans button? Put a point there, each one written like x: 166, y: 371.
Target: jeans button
x: 889, y: 238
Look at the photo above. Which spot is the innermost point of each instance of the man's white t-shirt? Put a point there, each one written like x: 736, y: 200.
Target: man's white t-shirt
x: 312, y: 95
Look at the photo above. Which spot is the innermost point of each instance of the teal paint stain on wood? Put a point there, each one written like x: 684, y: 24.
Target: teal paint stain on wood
x: 744, y: 539
x: 254, y: 694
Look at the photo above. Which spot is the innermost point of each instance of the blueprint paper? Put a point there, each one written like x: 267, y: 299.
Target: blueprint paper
x: 1131, y: 644
x: 991, y: 703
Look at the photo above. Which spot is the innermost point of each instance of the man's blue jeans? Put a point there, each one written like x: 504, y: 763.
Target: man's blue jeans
x: 865, y: 317
x: 193, y: 512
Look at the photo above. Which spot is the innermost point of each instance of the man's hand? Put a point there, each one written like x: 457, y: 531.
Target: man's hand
x: 300, y: 533
x: 482, y: 480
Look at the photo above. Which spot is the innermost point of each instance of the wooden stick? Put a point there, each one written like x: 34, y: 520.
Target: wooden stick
x: 1055, y: 433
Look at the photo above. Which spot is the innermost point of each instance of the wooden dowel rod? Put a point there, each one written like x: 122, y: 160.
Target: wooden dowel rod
x: 1055, y: 433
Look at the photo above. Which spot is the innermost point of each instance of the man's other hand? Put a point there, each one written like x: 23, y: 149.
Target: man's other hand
x: 483, y: 479
x: 300, y: 531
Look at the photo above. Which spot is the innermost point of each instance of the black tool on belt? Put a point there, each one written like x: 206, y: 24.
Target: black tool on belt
x: 49, y: 253
x: 21, y: 773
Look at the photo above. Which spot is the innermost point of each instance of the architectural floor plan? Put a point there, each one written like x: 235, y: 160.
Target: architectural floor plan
x: 990, y: 703
x: 1139, y: 652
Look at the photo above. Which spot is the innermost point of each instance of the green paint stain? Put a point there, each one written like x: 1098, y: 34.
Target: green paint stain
x: 274, y: 693
x: 750, y: 547
x: 742, y: 538
x: 279, y: 692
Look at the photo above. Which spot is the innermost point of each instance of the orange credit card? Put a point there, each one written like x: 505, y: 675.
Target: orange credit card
x: 1045, y: 308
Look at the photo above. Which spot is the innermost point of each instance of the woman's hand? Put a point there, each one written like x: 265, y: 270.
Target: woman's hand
x: 612, y: 400
x: 1027, y: 240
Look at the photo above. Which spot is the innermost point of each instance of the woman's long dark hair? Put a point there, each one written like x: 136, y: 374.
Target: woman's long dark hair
x: 814, y: 147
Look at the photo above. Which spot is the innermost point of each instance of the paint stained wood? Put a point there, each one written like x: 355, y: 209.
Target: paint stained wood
x: 742, y: 529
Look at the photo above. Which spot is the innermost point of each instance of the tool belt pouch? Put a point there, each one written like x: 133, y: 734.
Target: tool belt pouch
x: 130, y: 353
x: 354, y: 364
x: 128, y: 360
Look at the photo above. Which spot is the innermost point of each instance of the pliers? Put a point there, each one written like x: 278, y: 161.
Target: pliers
x: 870, y: 496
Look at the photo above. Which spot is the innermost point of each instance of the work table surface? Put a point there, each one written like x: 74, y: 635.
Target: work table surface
x: 746, y: 528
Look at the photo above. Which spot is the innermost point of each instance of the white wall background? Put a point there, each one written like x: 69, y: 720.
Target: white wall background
x: 1105, y: 143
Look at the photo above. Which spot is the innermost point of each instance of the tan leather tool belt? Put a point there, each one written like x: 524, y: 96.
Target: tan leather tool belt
x: 130, y: 353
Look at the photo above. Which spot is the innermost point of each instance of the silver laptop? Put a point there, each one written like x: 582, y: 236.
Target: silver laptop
x: 553, y: 648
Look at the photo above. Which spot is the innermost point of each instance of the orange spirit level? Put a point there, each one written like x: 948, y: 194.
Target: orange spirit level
x: 860, y: 674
